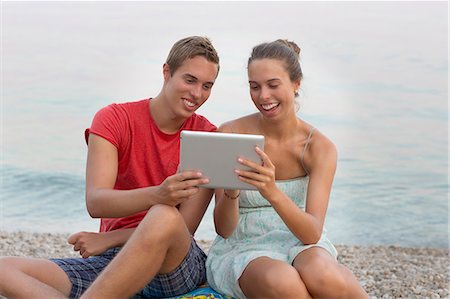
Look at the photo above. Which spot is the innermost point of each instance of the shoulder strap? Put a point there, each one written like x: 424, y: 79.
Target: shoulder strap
x: 305, y: 148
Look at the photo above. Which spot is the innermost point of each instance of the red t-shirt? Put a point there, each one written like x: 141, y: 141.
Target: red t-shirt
x: 147, y: 156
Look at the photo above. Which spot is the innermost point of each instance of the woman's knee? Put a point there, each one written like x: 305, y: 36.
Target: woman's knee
x: 324, y: 277
x: 287, y: 284
x: 276, y: 282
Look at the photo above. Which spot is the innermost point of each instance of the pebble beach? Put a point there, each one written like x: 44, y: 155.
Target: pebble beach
x: 383, y: 271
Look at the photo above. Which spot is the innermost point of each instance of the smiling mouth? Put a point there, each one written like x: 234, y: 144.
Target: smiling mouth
x: 271, y: 106
x: 189, y: 103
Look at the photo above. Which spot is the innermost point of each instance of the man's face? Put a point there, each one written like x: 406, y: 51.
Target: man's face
x: 190, y: 85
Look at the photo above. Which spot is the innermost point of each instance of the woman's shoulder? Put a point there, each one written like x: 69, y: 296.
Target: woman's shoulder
x: 321, y: 148
x: 319, y: 138
x: 238, y: 125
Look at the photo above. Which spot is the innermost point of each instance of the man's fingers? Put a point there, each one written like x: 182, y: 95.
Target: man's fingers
x: 188, y: 175
x: 187, y: 184
x: 73, y: 238
x: 193, y: 183
x: 187, y: 192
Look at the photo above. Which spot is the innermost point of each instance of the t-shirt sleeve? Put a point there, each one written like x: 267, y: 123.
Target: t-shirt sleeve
x: 211, y: 127
x: 108, y: 123
x: 205, y: 124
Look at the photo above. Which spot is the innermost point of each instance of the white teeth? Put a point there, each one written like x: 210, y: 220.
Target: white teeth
x: 188, y: 103
x: 269, y: 106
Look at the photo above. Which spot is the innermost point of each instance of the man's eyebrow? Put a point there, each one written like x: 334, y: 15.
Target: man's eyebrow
x: 195, y: 78
x: 190, y: 76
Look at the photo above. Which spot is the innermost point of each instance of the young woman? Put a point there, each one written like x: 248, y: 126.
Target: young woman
x: 271, y: 242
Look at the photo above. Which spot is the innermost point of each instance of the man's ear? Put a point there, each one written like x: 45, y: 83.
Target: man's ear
x: 166, y: 72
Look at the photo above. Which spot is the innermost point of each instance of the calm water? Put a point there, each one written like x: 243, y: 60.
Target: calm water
x: 375, y: 83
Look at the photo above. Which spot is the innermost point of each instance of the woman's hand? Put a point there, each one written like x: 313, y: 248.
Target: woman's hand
x: 89, y: 243
x: 261, y: 176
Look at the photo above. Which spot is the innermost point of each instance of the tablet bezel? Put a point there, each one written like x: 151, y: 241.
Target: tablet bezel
x: 215, y: 154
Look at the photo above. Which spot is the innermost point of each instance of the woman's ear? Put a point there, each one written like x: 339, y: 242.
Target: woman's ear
x: 296, y: 84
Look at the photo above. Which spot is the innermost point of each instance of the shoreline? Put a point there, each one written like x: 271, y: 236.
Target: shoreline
x: 383, y: 271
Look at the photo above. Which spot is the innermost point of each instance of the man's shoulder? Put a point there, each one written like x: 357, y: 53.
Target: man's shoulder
x: 138, y: 104
x: 199, y: 122
x: 124, y: 108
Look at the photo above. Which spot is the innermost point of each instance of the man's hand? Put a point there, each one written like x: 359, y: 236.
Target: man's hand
x: 89, y: 243
x: 179, y: 187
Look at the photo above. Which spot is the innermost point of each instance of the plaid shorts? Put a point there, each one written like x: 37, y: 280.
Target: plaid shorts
x: 185, y: 278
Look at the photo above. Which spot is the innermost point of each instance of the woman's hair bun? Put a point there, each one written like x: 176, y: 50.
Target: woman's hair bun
x: 292, y: 45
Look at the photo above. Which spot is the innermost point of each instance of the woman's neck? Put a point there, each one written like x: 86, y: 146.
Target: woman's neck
x: 279, y: 129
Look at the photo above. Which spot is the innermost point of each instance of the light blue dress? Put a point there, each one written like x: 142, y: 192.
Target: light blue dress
x: 260, y: 232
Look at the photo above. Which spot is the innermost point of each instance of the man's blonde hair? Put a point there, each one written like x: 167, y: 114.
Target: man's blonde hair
x: 191, y: 47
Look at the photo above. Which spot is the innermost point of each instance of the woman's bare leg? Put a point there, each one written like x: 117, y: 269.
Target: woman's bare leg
x: 265, y: 277
x: 324, y: 277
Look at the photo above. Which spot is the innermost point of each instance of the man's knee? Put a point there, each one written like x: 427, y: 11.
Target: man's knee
x: 162, y: 221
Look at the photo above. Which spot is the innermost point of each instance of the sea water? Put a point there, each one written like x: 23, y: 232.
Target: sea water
x: 375, y: 82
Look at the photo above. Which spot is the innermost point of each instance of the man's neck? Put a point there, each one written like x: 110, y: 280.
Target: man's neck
x: 164, y: 116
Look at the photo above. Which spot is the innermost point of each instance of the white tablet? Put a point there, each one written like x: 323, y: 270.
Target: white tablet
x: 215, y: 155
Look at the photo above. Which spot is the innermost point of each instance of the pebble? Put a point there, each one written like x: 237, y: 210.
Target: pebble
x: 383, y: 271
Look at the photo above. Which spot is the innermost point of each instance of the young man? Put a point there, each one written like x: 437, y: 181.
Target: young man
x: 132, y: 184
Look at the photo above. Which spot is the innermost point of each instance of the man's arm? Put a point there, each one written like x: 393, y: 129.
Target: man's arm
x: 90, y: 243
x: 101, y: 174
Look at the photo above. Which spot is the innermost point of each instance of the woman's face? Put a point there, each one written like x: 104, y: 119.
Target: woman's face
x: 271, y: 88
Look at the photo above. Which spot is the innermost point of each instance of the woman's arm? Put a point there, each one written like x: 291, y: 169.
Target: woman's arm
x: 226, y: 212
x: 305, y: 225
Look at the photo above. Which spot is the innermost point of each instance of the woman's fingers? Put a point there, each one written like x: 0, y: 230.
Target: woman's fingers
x: 252, y: 175
x: 266, y: 167
x: 252, y: 165
x: 260, y: 176
x: 249, y: 181
x: 264, y: 157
